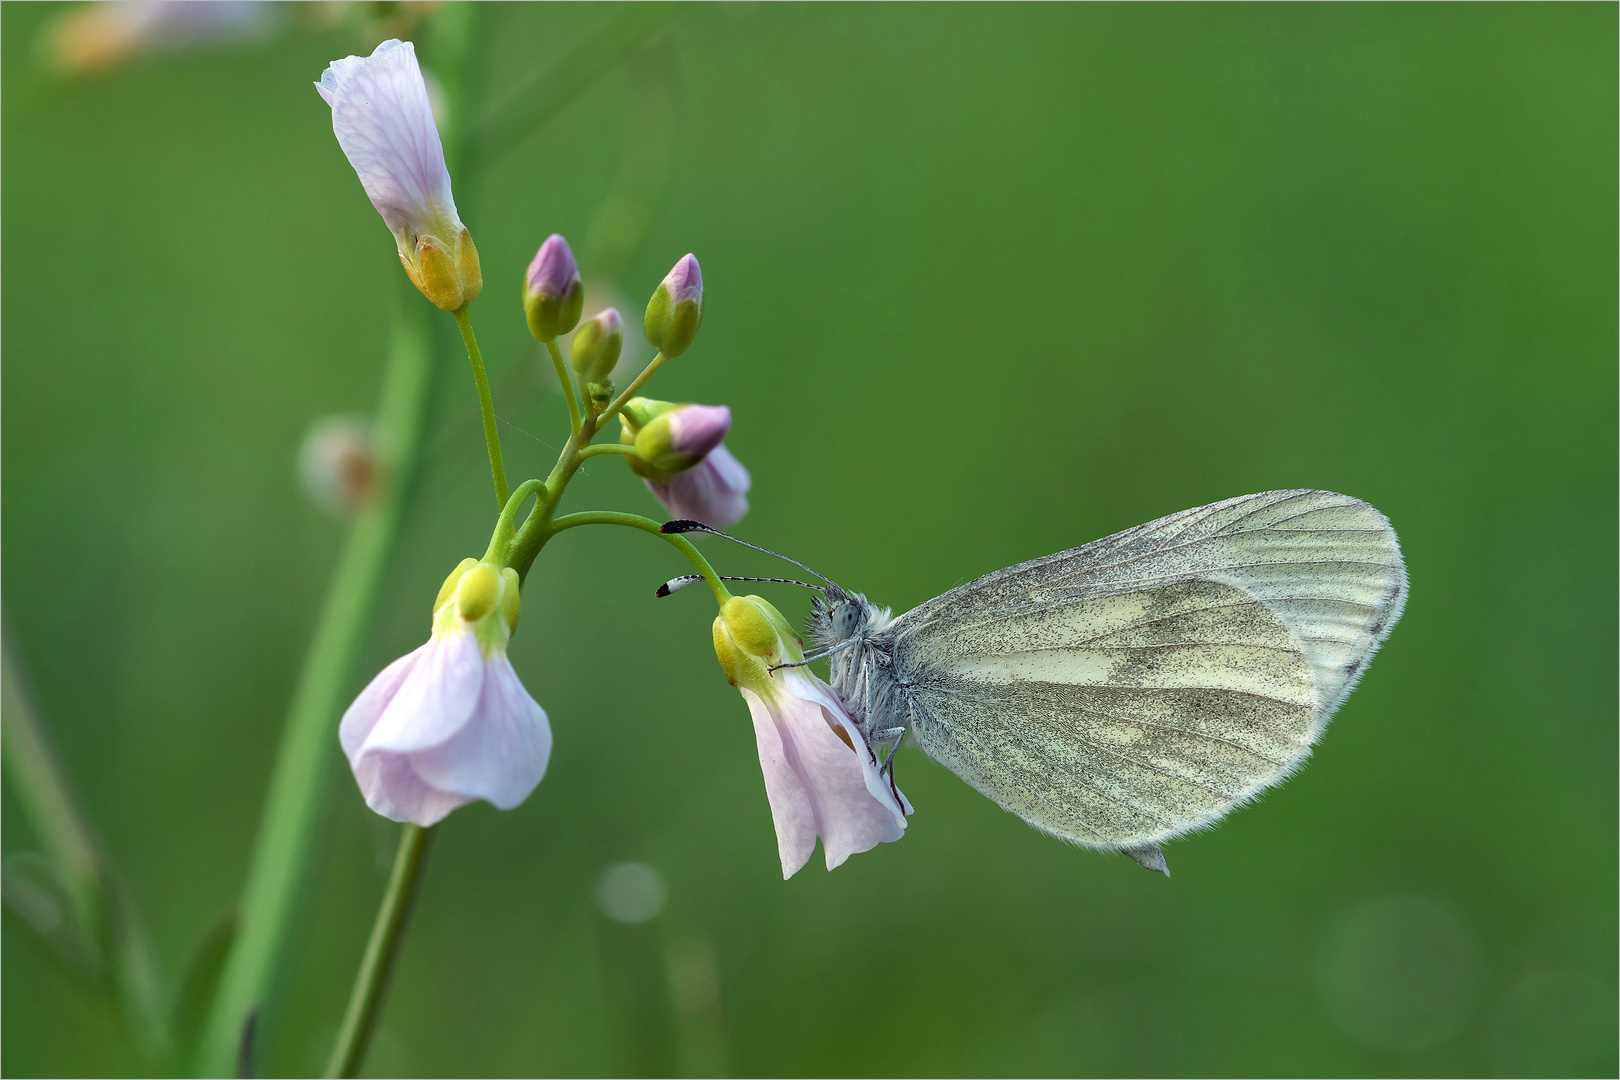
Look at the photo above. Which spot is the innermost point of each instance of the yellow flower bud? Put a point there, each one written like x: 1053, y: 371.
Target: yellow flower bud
x: 477, y: 592
x: 448, y: 589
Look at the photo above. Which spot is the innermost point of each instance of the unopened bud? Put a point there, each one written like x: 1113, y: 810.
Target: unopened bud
x: 637, y: 413
x: 676, y: 309
x: 680, y: 438
x: 750, y: 635
x: 486, y: 595
x: 477, y: 592
x: 596, y: 346
x: 448, y: 589
x: 340, y: 466
x: 552, y: 293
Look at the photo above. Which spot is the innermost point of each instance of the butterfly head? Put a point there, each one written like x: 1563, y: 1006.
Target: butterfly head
x: 838, y: 616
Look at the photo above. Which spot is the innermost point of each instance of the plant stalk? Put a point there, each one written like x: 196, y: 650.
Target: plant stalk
x: 382, y: 952
x: 486, y: 406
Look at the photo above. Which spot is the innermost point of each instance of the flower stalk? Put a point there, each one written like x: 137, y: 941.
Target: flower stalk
x: 486, y: 405
x: 382, y: 952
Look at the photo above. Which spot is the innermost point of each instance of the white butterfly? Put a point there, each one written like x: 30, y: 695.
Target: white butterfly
x: 1127, y: 692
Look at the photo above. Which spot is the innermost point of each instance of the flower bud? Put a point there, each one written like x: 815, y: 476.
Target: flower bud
x: 750, y: 636
x: 680, y: 438
x: 637, y: 413
x: 676, y: 309
x: 552, y: 293
x: 596, y: 346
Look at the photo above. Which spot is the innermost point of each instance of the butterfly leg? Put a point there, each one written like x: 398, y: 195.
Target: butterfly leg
x: 813, y: 657
x: 898, y: 734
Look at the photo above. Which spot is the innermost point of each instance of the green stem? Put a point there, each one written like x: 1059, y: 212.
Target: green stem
x: 104, y: 908
x: 608, y: 448
x: 486, y: 405
x: 382, y: 952
x: 630, y: 391
x: 281, y: 853
x: 566, y: 377
x: 501, y: 540
x: 648, y: 525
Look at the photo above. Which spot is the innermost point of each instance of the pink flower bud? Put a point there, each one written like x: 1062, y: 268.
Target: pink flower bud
x: 697, y: 429
x: 676, y: 309
x: 553, y: 273
x: 685, y: 281
x: 553, y: 296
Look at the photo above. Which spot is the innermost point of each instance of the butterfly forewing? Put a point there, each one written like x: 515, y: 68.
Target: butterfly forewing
x: 1144, y: 684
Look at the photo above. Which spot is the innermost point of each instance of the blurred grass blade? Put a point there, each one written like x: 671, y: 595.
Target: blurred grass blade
x: 97, y: 910
x: 201, y: 981
x: 309, y: 745
x: 36, y: 896
x: 533, y: 100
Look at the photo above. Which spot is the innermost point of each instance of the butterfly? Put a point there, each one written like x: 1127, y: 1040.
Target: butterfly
x: 1124, y: 693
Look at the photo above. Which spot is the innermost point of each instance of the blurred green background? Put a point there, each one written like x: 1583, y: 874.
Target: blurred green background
x: 984, y: 282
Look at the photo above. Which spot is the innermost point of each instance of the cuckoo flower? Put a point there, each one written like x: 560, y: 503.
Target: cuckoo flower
x: 820, y: 777
x: 682, y: 456
x: 384, y: 123
x: 450, y: 722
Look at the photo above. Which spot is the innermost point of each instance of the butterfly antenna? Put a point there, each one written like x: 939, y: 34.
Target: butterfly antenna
x: 684, y: 525
x: 675, y: 585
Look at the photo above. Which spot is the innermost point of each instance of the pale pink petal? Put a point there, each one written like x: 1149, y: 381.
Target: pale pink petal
x: 791, y: 809
x: 697, y: 429
x: 501, y: 752
x: 392, y: 789
x: 848, y: 818
x: 714, y: 491
x: 806, y: 684
x: 437, y: 698
x: 362, y: 716
x: 384, y: 123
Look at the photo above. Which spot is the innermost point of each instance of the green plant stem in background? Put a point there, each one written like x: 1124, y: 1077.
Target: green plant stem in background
x: 382, y: 952
x: 103, y: 906
x: 528, y: 103
x: 298, y: 781
x: 486, y: 406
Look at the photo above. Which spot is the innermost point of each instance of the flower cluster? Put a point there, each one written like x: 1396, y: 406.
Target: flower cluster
x: 451, y: 723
